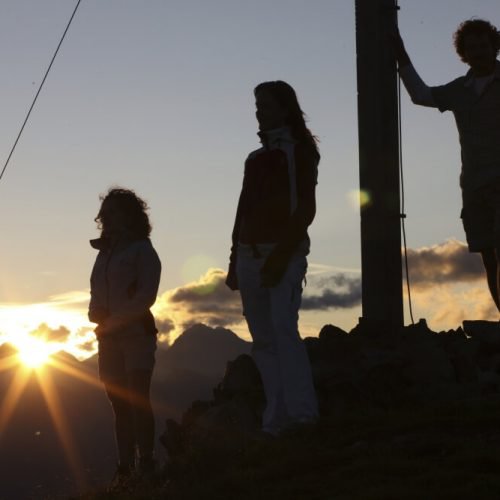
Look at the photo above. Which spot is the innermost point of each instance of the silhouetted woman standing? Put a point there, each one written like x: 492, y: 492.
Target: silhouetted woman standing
x: 268, y: 257
x: 124, y: 285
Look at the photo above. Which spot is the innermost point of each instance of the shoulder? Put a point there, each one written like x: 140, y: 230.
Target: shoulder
x: 451, y: 94
x: 450, y: 88
x: 146, y: 253
x: 307, y: 155
x: 254, y: 154
x: 142, y: 246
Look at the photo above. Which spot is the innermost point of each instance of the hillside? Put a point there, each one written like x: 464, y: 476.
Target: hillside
x: 411, y: 414
x: 35, y: 461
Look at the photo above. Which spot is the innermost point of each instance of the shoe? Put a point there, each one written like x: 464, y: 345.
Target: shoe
x: 298, y: 426
x: 122, y: 478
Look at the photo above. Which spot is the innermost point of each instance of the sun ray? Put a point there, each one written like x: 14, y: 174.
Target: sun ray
x: 60, y: 424
x: 75, y: 372
x: 11, y: 399
x: 8, y: 362
x: 94, y: 380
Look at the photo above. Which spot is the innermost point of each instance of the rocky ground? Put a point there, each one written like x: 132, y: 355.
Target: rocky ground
x: 410, y: 414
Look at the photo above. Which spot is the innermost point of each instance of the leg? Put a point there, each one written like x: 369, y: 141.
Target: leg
x: 491, y: 265
x: 113, y: 375
x: 139, y: 382
x: 298, y: 389
x: 124, y: 424
x: 481, y: 220
x: 256, y: 308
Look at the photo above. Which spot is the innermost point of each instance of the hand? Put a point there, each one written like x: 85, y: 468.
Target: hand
x: 106, y: 327
x: 273, y: 269
x: 398, y: 47
x: 232, y: 278
x: 98, y: 314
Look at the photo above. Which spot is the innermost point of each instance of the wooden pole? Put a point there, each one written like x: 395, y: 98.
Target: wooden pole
x: 381, y: 265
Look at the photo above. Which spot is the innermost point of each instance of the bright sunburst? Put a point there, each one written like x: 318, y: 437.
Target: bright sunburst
x: 33, y: 354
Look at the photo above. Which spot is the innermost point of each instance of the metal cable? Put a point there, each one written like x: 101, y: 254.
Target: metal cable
x: 39, y: 90
x: 403, y: 214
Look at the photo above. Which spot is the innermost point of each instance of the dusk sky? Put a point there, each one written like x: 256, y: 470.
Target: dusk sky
x: 156, y: 95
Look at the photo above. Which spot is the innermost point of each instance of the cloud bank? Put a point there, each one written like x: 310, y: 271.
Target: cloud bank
x: 448, y: 262
x: 447, y: 282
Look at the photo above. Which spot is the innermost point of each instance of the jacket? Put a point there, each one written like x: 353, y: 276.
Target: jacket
x: 277, y: 200
x: 124, y: 285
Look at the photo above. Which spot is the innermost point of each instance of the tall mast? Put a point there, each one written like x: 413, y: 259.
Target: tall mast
x: 381, y: 268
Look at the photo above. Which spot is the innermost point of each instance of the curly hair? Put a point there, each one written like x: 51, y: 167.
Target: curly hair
x: 134, y: 210
x: 285, y: 96
x: 477, y: 27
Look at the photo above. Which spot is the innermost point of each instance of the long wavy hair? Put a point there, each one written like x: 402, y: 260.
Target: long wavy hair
x: 133, y: 208
x: 476, y: 27
x: 285, y: 96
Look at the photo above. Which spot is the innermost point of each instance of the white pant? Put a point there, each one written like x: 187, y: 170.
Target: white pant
x: 272, y: 315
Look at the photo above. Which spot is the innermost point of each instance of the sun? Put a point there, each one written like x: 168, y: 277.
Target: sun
x: 34, y: 354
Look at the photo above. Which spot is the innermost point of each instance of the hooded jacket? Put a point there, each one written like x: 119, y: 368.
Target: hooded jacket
x: 124, y: 285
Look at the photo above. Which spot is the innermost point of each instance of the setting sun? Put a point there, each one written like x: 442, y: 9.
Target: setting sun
x: 34, y: 354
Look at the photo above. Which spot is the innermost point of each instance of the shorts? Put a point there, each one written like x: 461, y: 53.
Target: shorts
x: 118, y: 356
x: 481, y: 217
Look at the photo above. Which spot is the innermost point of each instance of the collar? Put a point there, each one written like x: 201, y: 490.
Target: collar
x: 100, y: 243
x: 273, y: 138
x: 106, y: 244
x: 469, y: 76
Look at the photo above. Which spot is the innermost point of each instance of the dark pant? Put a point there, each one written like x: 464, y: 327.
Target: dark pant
x: 134, y: 420
x: 125, y: 367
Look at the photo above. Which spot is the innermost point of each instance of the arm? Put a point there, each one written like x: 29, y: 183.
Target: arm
x: 419, y: 92
x: 143, y: 294
x: 97, y: 307
x: 231, y: 279
x: 296, y: 229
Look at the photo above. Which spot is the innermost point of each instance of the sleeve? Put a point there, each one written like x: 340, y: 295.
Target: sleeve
x: 443, y: 96
x: 238, y: 218
x: 306, y: 162
x: 145, y: 288
x: 97, y: 309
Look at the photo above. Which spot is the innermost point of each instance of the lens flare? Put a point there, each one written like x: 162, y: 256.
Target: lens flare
x: 359, y: 199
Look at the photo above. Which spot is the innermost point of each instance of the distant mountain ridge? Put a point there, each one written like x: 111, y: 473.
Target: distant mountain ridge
x: 32, y: 461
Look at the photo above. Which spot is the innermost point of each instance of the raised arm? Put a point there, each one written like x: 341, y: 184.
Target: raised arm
x: 418, y: 91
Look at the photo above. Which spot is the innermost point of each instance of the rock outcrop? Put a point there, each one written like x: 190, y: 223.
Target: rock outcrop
x: 364, y: 369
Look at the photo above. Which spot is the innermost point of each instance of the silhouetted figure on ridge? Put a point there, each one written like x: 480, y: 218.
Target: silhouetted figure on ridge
x: 124, y: 285
x: 474, y: 99
x: 268, y: 256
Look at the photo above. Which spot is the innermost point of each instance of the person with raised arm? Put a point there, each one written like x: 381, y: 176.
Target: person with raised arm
x: 474, y: 99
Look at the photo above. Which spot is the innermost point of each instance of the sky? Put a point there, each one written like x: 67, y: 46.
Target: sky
x: 157, y: 96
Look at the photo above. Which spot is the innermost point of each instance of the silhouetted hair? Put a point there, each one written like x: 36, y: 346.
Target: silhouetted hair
x: 134, y: 210
x: 286, y: 97
x: 476, y: 27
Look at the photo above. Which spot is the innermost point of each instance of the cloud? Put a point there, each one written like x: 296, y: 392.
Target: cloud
x: 339, y: 291
x: 207, y: 300
x: 88, y: 347
x: 447, y: 306
x: 70, y: 298
x: 448, y: 262
x: 44, y: 332
x: 164, y: 325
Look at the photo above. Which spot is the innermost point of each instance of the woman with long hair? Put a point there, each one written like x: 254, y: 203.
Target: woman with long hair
x: 124, y: 285
x: 268, y: 256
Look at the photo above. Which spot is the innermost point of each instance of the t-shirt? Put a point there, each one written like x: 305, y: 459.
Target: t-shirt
x: 477, y: 116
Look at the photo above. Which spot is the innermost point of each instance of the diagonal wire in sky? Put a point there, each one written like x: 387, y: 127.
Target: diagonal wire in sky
x: 39, y: 90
